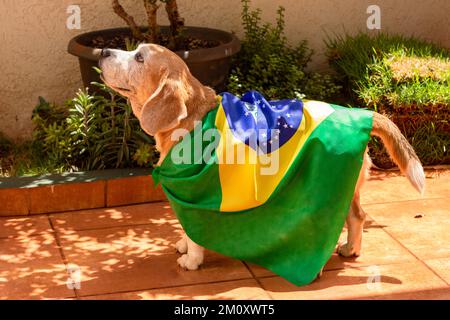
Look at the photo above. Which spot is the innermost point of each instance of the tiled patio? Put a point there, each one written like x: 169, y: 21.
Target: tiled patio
x: 127, y: 253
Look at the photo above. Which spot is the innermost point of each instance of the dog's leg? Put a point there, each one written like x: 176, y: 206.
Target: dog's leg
x: 181, y: 245
x: 194, y: 256
x: 355, y: 218
x: 319, y: 275
x: 355, y: 224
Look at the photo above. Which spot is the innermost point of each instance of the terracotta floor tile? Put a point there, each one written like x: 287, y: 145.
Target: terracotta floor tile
x: 378, y: 248
x: 259, y: 271
x: 385, y: 187
x: 138, y: 258
x: 428, y: 237
x: 158, y: 213
x: 433, y: 294
x: 127, y: 253
x: 18, y: 226
x: 353, y: 283
x: 228, y: 290
x: 441, y: 267
x: 32, y: 268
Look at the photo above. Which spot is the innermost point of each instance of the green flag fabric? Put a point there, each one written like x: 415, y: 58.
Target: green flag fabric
x: 268, y: 182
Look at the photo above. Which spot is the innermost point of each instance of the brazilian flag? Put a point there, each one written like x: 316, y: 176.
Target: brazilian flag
x: 268, y: 182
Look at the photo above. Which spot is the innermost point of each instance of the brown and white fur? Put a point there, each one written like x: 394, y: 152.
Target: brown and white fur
x: 165, y: 96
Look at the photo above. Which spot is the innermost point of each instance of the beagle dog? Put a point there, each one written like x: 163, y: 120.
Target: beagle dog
x: 165, y: 97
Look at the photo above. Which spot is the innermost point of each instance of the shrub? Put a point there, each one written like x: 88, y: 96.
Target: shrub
x: 92, y: 132
x: 5, y: 150
x: 405, y: 78
x: 267, y: 62
x: 18, y: 158
x: 5, y: 145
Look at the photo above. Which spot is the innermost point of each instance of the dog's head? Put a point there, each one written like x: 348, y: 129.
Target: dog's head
x: 156, y: 81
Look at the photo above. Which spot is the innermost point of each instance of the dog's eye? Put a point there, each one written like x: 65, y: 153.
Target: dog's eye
x: 139, y: 57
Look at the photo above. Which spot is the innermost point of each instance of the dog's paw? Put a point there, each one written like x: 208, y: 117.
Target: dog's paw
x: 190, y: 262
x: 347, y: 250
x: 181, y: 245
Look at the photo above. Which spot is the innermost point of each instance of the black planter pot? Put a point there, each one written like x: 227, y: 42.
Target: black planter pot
x: 210, y: 65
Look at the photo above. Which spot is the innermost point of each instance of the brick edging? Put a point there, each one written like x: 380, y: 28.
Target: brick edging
x: 40, y: 195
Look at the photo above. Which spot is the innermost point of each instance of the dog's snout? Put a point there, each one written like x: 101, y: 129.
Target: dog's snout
x: 105, y: 53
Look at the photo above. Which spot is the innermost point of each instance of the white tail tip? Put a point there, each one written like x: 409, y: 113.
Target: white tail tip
x: 415, y: 175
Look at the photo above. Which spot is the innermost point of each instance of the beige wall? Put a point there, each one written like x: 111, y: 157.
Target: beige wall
x: 34, y: 38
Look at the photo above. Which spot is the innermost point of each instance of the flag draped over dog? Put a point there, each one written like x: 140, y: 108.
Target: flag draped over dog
x: 269, y: 182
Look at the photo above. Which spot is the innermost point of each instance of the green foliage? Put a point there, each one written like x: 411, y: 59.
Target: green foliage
x: 5, y: 150
x: 143, y: 153
x: 89, y: 132
x: 366, y: 64
x: 429, y: 138
x: 267, y: 63
x: 131, y: 44
x: 5, y: 145
x: 92, y: 132
x: 19, y: 158
x: 403, y: 77
x: 27, y: 159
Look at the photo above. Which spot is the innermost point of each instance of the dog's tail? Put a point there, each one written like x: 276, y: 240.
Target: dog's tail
x: 400, y: 150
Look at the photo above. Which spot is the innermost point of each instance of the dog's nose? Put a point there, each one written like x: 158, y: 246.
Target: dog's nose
x: 105, y: 53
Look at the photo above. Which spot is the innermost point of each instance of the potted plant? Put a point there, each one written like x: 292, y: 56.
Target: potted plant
x: 207, y: 52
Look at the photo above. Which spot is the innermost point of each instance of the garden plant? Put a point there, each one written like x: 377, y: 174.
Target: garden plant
x: 90, y: 132
x: 403, y: 77
x: 268, y: 64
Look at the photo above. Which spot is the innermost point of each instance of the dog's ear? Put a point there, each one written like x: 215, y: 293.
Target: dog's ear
x: 166, y: 107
